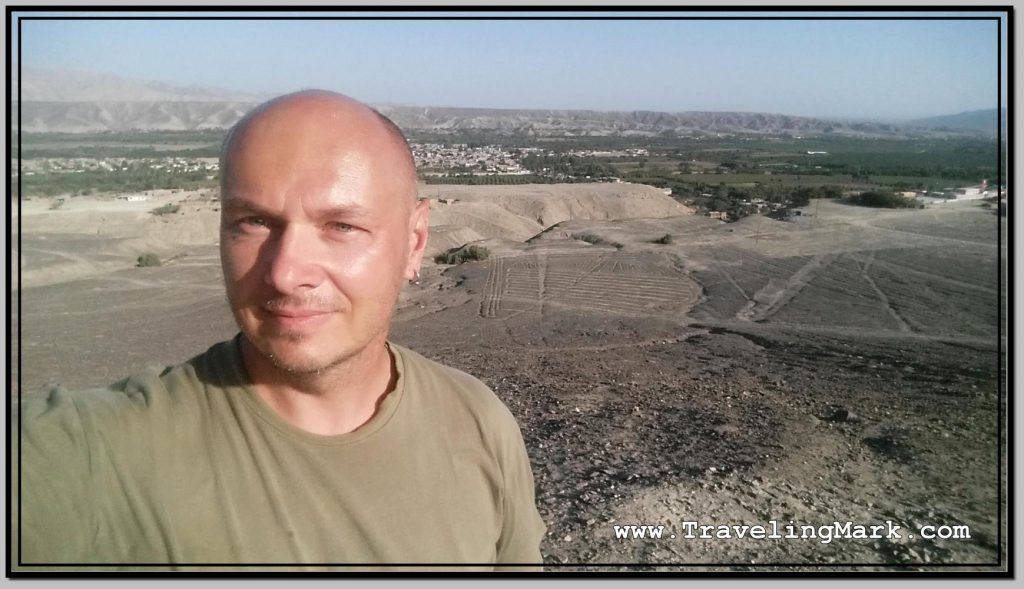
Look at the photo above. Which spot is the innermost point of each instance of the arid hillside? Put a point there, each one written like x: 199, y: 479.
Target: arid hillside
x: 845, y: 366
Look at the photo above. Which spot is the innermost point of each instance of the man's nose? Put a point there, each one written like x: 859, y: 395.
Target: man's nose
x: 293, y: 265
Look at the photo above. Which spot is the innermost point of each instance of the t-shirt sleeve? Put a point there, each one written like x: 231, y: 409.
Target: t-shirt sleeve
x: 522, y: 528
x: 51, y: 519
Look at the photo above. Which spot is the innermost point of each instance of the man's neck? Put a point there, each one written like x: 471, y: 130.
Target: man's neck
x: 336, y: 401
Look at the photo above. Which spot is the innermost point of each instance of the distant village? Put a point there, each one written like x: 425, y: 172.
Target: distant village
x: 78, y: 165
x: 442, y: 160
x: 434, y: 159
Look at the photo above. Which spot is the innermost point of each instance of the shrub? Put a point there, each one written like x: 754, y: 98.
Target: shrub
x: 590, y: 238
x: 146, y: 260
x: 595, y: 239
x: 466, y: 253
x: 664, y: 239
x: 167, y: 209
x: 885, y: 200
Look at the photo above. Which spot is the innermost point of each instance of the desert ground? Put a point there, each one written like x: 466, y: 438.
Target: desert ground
x: 843, y: 366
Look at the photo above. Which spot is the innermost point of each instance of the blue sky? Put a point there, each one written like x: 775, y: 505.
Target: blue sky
x: 828, y: 68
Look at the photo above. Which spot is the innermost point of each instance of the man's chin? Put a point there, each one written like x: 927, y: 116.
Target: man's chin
x: 302, y: 364
x: 295, y: 353
x: 303, y: 367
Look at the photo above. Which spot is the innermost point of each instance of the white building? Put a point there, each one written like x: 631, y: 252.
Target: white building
x: 970, y: 193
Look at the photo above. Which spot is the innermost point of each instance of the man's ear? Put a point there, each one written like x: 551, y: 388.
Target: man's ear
x: 418, y: 230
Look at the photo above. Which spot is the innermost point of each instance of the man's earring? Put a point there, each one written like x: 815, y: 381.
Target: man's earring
x: 415, y: 278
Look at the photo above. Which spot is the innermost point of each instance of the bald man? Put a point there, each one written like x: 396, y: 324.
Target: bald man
x: 309, y: 439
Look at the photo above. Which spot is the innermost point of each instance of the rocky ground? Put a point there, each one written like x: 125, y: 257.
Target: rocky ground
x: 841, y: 368
x: 731, y: 427
x: 855, y: 385
x: 734, y: 426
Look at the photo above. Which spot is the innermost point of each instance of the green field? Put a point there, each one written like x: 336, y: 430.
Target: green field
x: 205, y: 143
x: 731, y: 170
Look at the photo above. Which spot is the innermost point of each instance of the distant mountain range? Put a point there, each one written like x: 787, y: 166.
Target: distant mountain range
x: 72, y: 101
x: 46, y: 84
x: 985, y: 121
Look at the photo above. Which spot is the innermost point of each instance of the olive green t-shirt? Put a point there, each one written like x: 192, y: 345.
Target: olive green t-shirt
x: 191, y: 467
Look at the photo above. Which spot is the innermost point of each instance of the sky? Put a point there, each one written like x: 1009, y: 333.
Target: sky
x: 863, y: 69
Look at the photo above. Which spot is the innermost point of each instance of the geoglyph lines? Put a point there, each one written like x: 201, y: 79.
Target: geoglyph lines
x: 776, y: 294
x: 542, y: 275
x: 900, y: 323
x: 628, y: 284
x: 928, y: 276
x: 493, y: 288
x: 728, y: 278
x: 845, y: 280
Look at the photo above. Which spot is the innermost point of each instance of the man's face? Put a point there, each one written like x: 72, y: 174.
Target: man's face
x: 318, y: 231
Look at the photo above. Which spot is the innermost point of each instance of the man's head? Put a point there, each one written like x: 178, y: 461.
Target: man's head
x: 320, y: 225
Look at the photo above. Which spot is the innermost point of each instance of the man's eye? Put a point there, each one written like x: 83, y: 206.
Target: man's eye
x: 251, y: 224
x: 341, y: 227
x: 254, y: 221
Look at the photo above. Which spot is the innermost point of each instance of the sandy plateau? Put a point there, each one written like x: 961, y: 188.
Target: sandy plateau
x: 839, y: 367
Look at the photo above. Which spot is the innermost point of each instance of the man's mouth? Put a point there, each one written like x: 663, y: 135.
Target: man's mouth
x: 296, y: 313
x: 296, y: 319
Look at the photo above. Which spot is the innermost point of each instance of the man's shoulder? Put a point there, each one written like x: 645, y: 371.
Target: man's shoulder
x: 215, y: 368
x: 420, y: 364
x: 452, y: 387
x: 146, y: 392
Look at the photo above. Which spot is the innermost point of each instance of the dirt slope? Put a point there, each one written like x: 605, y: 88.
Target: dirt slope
x: 841, y: 367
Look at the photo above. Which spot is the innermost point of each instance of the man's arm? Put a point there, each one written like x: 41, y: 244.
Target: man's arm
x: 51, y: 520
x: 522, y: 527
